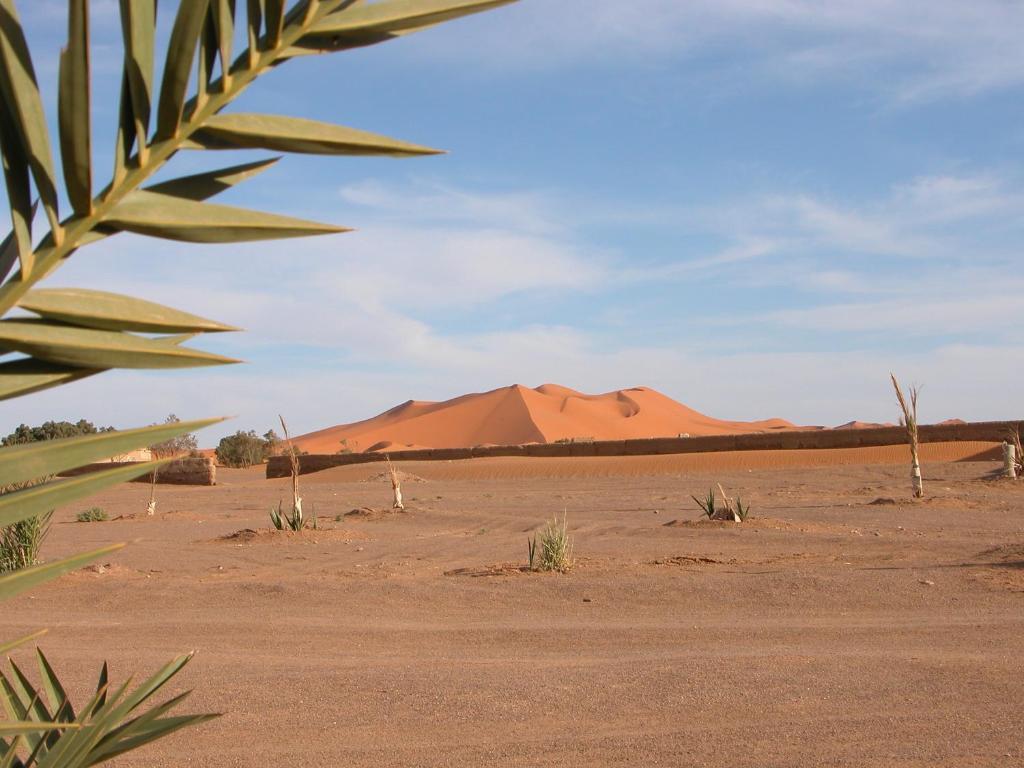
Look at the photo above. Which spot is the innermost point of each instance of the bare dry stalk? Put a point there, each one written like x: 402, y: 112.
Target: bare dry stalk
x: 910, y: 423
x: 729, y: 508
x: 151, y: 507
x: 396, y: 485
x: 294, y: 463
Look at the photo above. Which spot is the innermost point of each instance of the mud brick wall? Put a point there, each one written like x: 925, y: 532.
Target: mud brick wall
x: 188, y: 471
x: 980, y: 431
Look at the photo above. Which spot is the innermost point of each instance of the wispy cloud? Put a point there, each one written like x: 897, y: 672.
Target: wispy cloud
x: 928, y: 48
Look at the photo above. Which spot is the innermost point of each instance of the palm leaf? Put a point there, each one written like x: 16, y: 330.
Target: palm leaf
x: 371, y: 23
x: 292, y: 134
x: 181, y: 50
x: 18, y: 244
x: 39, y: 499
x: 50, y: 457
x: 21, y: 96
x: 138, y: 25
x: 10, y: 645
x: 174, y: 218
x: 202, y: 186
x: 114, y: 312
x: 28, y: 375
x: 73, y: 109
x: 91, y: 348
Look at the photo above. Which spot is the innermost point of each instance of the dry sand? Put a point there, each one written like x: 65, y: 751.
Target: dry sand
x: 844, y: 626
x: 518, y: 415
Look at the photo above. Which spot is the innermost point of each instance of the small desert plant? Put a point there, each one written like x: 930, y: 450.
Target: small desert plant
x: 555, y: 547
x: 735, y: 511
x: 94, y: 515
x: 707, y: 505
x: 531, y: 549
x: 741, y: 511
x: 1013, y: 438
x: 909, y: 422
x: 21, y: 541
x: 293, y: 520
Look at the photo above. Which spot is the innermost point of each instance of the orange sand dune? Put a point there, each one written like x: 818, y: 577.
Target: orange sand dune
x: 517, y: 415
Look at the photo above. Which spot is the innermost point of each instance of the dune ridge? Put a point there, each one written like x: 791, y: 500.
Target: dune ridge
x: 518, y: 415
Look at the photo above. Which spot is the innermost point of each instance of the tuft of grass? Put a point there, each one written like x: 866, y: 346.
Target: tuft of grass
x: 531, y: 548
x: 555, y: 547
x: 93, y: 515
x: 20, y: 542
x: 731, y: 510
x: 741, y: 511
x: 707, y: 505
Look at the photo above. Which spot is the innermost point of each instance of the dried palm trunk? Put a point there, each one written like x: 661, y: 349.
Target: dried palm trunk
x: 910, y: 423
x: 396, y: 485
x: 1010, y: 460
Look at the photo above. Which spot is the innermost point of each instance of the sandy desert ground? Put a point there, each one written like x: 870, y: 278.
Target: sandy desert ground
x: 844, y: 626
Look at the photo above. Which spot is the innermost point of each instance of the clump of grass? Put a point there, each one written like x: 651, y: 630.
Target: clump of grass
x: 551, y: 549
x: 735, y: 511
x: 707, y: 504
x: 20, y: 542
x: 94, y: 515
x: 294, y: 520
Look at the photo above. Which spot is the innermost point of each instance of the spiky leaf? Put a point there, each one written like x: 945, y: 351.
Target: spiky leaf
x: 50, y: 457
x: 91, y: 348
x: 21, y: 97
x: 114, y: 312
x: 181, y: 51
x: 24, y: 376
x: 292, y: 134
x: 202, y: 186
x: 73, y: 109
x: 174, y: 218
x: 371, y: 23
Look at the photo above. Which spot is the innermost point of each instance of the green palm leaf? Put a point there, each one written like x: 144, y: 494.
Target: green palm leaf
x: 27, y: 375
x: 181, y: 51
x: 371, y: 23
x: 18, y: 244
x: 73, y: 109
x: 22, y: 100
x: 39, y: 499
x: 292, y: 134
x: 115, y: 312
x: 91, y: 348
x: 50, y: 457
x: 203, y: 186
x: 174, y: 218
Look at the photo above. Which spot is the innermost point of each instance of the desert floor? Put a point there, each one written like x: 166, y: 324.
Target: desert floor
x: 844, y: 625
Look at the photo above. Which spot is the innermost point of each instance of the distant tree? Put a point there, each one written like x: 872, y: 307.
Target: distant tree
x: 52, y: 430
x: 242, y: 449
x: 176, y: 446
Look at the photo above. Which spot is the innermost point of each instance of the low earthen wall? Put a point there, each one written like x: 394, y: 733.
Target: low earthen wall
x: 979, y: 431
x: 188, y: 471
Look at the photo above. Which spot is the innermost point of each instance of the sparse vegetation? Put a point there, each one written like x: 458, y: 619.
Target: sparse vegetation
x: 181, y: 445
x: 93, y: 515
x: 76, y: 333
x: 52, y: 430
x: 293, y: 520
x: 736, y: 511
x: 551, y: 549
x: 909, y: 422
x: 707, y: 504
x: 20, y: 542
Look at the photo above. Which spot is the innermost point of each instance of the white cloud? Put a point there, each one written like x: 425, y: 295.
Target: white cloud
x: 926, y: 48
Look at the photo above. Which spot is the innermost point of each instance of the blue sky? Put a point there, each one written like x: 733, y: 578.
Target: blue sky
x: 758, y: 207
